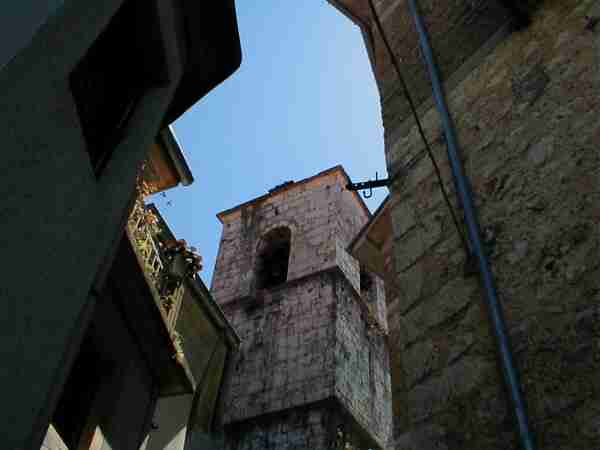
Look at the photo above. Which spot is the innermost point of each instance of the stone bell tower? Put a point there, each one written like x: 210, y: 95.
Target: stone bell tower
x: 313, y: 369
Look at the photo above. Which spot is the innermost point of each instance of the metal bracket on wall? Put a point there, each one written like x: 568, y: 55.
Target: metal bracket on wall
x: 367, y: 186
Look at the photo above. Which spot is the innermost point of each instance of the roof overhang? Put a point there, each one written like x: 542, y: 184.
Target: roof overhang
x: 213, y: 51
x: 166, y: 166
x: 169, y: 142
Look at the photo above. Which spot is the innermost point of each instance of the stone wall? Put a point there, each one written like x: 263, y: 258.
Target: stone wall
x: 319, y: 212
x: 362, y: 368
x: 528, y: 122
x: 457, y: 30
x: 286, y: 357
x: 304, y: 428
x: 375, y: 297
x: 306, y: 341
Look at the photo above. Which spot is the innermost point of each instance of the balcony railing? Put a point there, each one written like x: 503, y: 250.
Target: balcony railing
x: 167, y: 287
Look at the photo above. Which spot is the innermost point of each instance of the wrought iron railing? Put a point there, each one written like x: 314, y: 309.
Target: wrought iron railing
x: 143, y: 230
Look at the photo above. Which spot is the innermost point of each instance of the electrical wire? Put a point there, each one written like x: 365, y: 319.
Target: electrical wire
x: 420, y: 128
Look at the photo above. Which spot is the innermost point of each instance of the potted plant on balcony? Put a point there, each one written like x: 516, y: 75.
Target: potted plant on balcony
x: 175, y: 251
x: 182, y: 261
x: 194, y: 262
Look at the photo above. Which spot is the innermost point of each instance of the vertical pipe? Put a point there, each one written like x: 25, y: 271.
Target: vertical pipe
x: 509, y: 371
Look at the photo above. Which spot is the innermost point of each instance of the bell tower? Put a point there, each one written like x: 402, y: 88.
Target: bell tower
x: 313, y: 369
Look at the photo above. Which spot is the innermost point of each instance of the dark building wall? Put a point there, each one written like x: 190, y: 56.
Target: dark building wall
x: 528, y: 120
x: 126, y: 399
x: 171, y: 418
x: 117, y: 413
x: 21, y: 22
x: 59, y: 221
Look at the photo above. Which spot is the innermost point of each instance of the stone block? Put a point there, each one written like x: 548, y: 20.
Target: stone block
x: 541, y: 151
x: 413, y: 245
x: 419, y: 361
x: 427, y: 437
x: 348, y: 265
x: 403, y: 218
x: 436, y: 394
x: 451, y: 299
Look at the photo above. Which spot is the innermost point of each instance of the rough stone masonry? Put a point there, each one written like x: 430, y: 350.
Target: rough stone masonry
x: 527, y: 112
x: 312, y: 363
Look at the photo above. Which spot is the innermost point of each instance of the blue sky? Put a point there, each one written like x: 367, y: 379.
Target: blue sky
x: 303, y: 100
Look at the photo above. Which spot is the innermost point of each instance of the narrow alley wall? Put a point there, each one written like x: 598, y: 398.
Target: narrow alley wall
x: 528, y: 118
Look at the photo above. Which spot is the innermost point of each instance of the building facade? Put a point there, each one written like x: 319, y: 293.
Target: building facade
x: 86, y: 90
x: 148, y: 373
x: 522, y: 86
x: 313, y: 369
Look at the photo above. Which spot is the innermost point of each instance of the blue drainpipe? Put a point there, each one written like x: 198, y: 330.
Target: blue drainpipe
x: 511, y: 376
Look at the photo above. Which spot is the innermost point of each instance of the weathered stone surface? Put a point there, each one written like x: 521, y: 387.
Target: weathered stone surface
x: 452, y: 298
x: 300, y: 429
x: 429, y: 437
x: 519, y: 252
x: 541, y: 151
x: 419, y: 361
x: 460, y: 346
x: 436, y: 393
x: 403, y: 218
x: 362, y: 367
x: 458, y: 28
x: 307, y: 340
x: 411, y: 284
x: 318, y: 213
x: 527, y: 120
x: 348, y: 265
x: 529, y: 86
x: 413, y: 245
